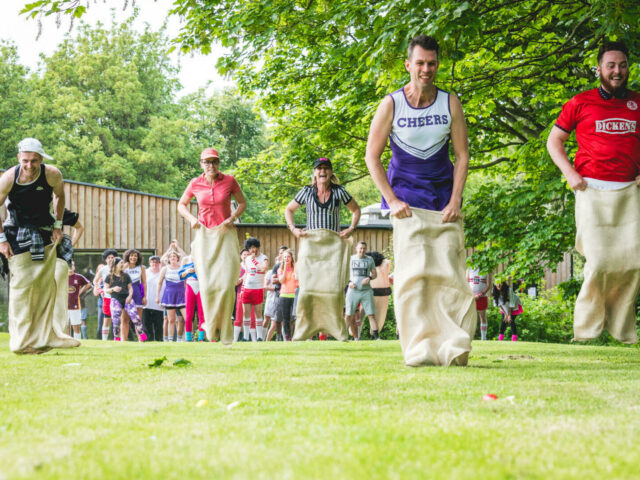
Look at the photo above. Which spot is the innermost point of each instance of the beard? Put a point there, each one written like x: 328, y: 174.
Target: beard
x: 618, y: 92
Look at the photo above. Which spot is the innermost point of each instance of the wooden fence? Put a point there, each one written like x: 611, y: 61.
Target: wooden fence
x: 121, y: 219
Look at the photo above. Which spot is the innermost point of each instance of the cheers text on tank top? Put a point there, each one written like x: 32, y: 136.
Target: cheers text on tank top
x: 172, y: 275
x: 420, y: 171
x: 134, y: 273
x: 29, y: 204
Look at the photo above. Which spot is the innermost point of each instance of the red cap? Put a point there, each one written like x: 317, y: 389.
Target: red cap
x: 209, y: 153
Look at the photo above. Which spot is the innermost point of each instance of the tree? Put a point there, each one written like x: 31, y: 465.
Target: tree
x: 15, y: 95
x: 321, y: 67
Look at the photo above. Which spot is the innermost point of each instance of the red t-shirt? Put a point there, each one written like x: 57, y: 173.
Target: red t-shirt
x: 607, y: 134
x: 214, y: 202
x: 76, y: 282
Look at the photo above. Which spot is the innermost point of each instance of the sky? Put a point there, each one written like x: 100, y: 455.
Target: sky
x: 195, y: 70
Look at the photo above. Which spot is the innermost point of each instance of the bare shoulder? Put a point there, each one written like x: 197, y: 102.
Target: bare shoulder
x: 54, y: 176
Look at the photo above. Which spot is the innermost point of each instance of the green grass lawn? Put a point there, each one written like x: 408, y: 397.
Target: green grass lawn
x: 322, y: 410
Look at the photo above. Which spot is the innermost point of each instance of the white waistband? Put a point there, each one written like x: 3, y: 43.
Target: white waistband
x: 605, y: 184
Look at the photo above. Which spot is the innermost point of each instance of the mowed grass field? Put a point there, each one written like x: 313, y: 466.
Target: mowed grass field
x: 320, y: 410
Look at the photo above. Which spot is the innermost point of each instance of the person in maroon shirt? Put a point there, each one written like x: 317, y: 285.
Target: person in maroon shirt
x: 604, y: 175
x: 78, y: 284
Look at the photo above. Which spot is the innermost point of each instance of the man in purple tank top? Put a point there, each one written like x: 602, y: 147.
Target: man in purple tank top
x: 420, y: 170
x: 422, y: 189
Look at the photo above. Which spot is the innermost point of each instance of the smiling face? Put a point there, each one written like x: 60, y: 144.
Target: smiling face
x: 287, y: 258
x: 29, y: 163
x: 174, y: 258
x: 613, y: 70
x: 361, y: 249
x: 110, y: 259
x: 322, y: 174
x: 154, y: 264
x: 210, y: 166
x: 133, y: 258
x: 422, y: 67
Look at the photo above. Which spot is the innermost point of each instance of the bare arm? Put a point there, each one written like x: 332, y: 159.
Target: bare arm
x: 54, y: 178
x: 78, y: 231
x: 377, y: 142
x: 6, y: 182
x: 288, y: 215
x: 355, y: 218
x: 460, y: 142
x: 143, y: 279
x: 163, y: 271
x: 242, y: 206
x: 555, y: 146
x: 183, y: 209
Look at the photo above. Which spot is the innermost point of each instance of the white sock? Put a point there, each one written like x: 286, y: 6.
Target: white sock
x: 483, y: 331
x: 259, y: 324
x: 245, y: 330
x: 236, y: 333
x: 77, y: 335
x: 105, y: 333
x: 254, y: 335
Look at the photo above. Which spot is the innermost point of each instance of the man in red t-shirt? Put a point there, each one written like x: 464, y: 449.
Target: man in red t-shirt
x: 606, y: 120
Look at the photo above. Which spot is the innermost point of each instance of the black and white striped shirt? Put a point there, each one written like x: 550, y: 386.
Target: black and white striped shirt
x: 323, y: 215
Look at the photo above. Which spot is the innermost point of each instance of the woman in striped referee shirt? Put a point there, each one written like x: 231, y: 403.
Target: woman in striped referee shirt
x: 323, y: 199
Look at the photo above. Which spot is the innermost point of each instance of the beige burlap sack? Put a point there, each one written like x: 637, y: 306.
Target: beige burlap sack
x: 61, y: 309
x: 215, y: 256
x: 608, y: 235
x: 322, y: 271
x: 33, y: 293
x: 435, y: 310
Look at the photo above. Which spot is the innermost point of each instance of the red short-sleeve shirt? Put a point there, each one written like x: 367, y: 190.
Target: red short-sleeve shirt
x: 607, y: 134
x: 214, y: 201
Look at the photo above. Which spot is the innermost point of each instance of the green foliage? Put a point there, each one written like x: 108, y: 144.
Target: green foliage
x: 320, y: 69
x: 104, y: 107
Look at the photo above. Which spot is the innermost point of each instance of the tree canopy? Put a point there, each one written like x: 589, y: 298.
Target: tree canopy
x: 319, y: 69
x: 104, y: 105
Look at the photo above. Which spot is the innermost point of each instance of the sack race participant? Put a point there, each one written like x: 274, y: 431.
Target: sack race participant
x: 214, y: 252
x: 322, y: 271
x: 215, y: 246
x: 434, y: 307
x: 323, y: 259
x: 607, y: 235
x: 422, y: 190
x: 29, y: 240
x: 605, y: 175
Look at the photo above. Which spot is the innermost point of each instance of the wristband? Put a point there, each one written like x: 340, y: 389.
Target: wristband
x: 3, y: 237
x: 57, y: 224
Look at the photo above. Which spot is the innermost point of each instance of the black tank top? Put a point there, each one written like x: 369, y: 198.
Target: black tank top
x: 30, y: 205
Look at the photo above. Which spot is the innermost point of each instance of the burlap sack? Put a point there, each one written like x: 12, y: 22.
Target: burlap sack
x: 215, y: 256
x: 61, y: 309
x: 434, y: 307
x: 33, y: 293
x: 608, y: 235
x: 323, y: 272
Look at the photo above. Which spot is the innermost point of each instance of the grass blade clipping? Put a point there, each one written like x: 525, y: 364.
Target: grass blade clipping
x: 157, y: 362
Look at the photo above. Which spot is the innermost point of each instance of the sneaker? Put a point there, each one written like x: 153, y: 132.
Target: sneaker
x: 514, y: 338
x: 116, y: 339
x: 143, y: 337
x: 201, y: 335
x: 501, y: 337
